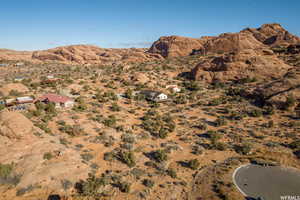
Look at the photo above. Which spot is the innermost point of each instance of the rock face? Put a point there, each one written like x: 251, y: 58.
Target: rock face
x: 87, y: 54
x: 250, y: 38
x: 273, y: 35
x: 6, y: 89
x: 235, y: 66
x: 14, y: 125
x: 25, y: 145
x: 276, y: 92
x: 173, y: 46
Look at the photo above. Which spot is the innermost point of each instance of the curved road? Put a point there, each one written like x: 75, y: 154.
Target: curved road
x: 271, y: 183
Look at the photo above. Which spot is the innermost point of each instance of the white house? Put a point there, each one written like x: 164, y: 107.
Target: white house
x: 173, y: 88
x: 154, y: 95
x: 161, y: 97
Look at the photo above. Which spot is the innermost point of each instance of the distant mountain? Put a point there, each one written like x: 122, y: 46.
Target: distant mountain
x: 268, y: 35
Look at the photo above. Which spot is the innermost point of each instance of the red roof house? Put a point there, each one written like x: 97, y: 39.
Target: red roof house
x: 58, y: 100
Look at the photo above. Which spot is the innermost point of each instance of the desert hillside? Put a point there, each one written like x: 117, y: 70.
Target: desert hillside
x: 171, y: 122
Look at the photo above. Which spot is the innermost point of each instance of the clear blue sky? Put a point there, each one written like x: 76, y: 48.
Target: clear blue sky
x: 42, y: 24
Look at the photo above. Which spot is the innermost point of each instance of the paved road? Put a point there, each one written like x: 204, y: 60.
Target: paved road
x: 268, y: 182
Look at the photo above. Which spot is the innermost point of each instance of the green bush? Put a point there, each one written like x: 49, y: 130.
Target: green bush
x: 193, y: 164
x: 124, y: 187
x: 244, y: 148
x: 5, y: 170
x: 160, y: 155
x: 48, y: 156
x: 127, y: 157
x: 221, y: 121
x: 172, y: 173
x: 148, y: 183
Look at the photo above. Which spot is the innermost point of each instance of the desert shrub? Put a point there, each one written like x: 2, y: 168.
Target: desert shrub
x: 255, y: 113
x: 295, y: 144
x: 124, y: 187
x: 197, y: 149
x: 109, y: 156
x: 193, y: 164
x: 221, y: 121
x: 115, y: 107
x: 268, y: 110
x: 111, y: 121
x: 180, y: 99
x: 5, y: 170
x: 14, y: 93
x: 159, y: 155
x: 289, y: 102
x: 90, y: 187
x: 128, y: 94
x: 22, y: 191
x: 127, y: 157
x: 217, y: 101
x: 128, y: 138
x: 221, y: 146
x: 234, y: 115
x: 2, y: 106
x: 87, y: 156
x: 213, y: 136
x: 48, y: 156
x: 50, y: 108
x: 172, y: 173
x: 235, y: 91
x: 201, y: 126
x: 244, y: 148
x: 148, y: 183
x: 192, y: 85
x: 158, y: 125
x: 66, y: 184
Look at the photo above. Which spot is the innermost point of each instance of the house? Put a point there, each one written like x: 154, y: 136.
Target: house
x: 10, y: 102
x: 173, y: 88
x: 19, y: 78
x: 50, y: 79
x: 24, y: 100
x: 19, y: 64
x: 154, y: 95
x: 58, y: 100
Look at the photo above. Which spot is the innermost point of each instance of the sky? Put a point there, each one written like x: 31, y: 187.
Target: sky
x: 44, y: 24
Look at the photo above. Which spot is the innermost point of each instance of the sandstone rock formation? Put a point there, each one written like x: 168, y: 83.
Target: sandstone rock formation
x: 173, y: 46
x: 18, y: 87
x: 250, y: 38
x: 235, y: 66
x: 273, y: 34
x: 87, y: 54
x: 25, y: 145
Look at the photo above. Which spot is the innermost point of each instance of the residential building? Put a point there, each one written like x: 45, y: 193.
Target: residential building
x: 58, y: 100
x: 154, y: 95
x: 173, y: 88
x: 24, y: 100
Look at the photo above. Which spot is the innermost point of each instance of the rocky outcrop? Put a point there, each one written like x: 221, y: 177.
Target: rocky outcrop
x: 172, y: 46
x: 236, y: 66
x: 273, y: 35
x: 5, y: 90
x: 251, y: 38
x: 87, y: 54
x: 25, y: 145
x: 232, y: 42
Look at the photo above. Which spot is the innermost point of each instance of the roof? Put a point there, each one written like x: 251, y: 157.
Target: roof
x: 24, y: 99
x: 151, y: 93
x: 54, y: 98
